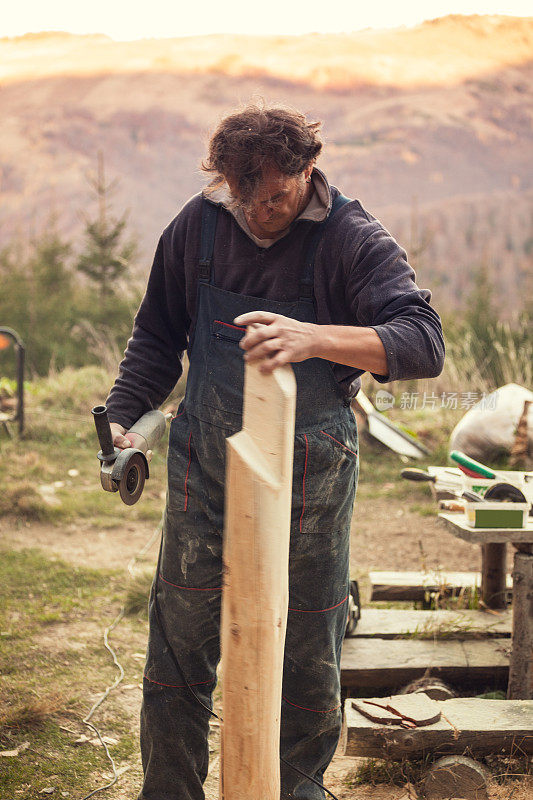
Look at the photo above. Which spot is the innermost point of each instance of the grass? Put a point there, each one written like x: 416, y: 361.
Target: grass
x: 375, y: 771
x: 53, y: 664
x: 52, y: 614
x: 59, y: 438
x: 137, y: 594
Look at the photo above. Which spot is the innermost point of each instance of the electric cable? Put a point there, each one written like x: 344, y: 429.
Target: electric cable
x: 109, y: 689
x: 86, y: 719
x: 118, y: 618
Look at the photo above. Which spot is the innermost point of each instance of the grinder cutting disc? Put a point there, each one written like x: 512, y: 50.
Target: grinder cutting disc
x: 505, y: 493
x: 132, y: 482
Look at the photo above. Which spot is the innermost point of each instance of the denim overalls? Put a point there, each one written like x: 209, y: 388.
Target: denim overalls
x: 174, y: 725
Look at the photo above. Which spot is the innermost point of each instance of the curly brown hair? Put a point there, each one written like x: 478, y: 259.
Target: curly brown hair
x: 247, y: 140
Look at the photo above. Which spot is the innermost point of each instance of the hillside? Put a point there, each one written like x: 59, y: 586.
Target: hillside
x: 430, y: 127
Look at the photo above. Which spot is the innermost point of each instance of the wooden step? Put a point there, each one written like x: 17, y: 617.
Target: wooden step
x: 468, y: 724
x: 389, y: 664
x: 391, y: 623
x: 415, y: 585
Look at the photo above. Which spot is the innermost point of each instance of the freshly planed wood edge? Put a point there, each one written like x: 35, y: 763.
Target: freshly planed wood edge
x: 468, y: 724
x: 521, y: 667
x: 255, y: 593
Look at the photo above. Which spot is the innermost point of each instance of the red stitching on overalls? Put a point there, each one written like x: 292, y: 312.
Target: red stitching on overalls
x: 227, y: 324
x: 320, y: 610
x: 303, y: 480
x: 314, y: 710
x: 179, y: 415
x: 192, y: 588
x: 187, y: 475
x: 341, y: 444
x: 175, y: 685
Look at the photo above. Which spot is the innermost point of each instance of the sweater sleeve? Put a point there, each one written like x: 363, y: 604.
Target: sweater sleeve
x: 152, y: 361
x: 383, y: 295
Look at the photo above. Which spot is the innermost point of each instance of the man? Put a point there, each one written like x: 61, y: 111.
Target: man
x: 270, y: 263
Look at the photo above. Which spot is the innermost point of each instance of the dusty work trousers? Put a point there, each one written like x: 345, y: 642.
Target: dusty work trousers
x: 174, y: 726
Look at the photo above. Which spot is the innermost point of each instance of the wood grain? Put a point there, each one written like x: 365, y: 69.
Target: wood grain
x: 255, y: 592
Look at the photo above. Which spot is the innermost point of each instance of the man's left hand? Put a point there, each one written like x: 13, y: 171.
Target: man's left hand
x: 276, y: 340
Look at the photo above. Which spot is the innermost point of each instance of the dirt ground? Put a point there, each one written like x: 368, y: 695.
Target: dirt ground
x: 385, y: 535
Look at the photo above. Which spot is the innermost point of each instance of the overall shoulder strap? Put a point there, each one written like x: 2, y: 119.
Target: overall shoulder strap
x: 308, y: 272
x: 207, y: 239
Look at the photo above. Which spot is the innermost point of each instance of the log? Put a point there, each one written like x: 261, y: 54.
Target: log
x: 433, y: 687
x: 521, y: 667
x: 467, y: 724
x: 255, y: 591
x: 456, y: 776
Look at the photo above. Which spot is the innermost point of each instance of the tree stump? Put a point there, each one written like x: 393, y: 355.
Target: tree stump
x: 433, y: 687
x: 456, y: 777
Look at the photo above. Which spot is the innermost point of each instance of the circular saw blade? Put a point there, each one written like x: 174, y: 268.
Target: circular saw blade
x: 131, y: 484
x: 505, y: 493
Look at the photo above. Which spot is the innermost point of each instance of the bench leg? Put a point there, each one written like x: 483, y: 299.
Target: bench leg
x: 521, y: 667
x: 493, y: 574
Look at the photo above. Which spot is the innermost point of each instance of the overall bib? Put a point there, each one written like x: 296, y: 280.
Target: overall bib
x: 174, y: 726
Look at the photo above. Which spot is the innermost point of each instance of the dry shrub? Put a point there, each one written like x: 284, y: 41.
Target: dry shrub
x: 29, y: 712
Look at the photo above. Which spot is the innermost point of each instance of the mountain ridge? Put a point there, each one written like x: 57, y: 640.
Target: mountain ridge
x: 446, y: 166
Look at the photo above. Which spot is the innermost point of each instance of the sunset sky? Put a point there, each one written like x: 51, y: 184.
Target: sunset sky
x: 126, y: 19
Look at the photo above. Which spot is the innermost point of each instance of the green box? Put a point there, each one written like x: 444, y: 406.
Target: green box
x: 492, y: 514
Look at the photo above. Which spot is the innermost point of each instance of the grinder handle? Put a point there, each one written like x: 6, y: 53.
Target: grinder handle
x: 151, y: 426
x: 103, y: 430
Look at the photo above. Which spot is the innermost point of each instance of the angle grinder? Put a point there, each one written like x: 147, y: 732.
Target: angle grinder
x: 125, y: 471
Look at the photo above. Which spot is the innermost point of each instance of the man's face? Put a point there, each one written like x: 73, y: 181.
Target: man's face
x: 279, y: 199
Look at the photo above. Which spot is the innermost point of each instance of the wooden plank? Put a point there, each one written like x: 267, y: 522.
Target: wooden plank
x: 456, y: 523
x: 387, y: 664
x: 479, y: 726
x: 391, y: 623
x: 413, y: 585
x: 255, y: 592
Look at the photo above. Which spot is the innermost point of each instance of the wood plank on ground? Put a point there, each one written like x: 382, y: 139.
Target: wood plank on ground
x: 387, y: 664
x: 468, y: 724
x: 392, y: 623
x: 414, y: 585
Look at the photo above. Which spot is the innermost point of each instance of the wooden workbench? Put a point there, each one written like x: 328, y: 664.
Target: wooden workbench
x: 493, y: 543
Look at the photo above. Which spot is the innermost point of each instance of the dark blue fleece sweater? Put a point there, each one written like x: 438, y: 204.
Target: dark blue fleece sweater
x: 362, y: 278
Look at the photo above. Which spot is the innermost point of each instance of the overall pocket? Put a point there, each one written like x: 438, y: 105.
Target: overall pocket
x: 324, y: 480
x: 184, y: 480
x: 223, y: 381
